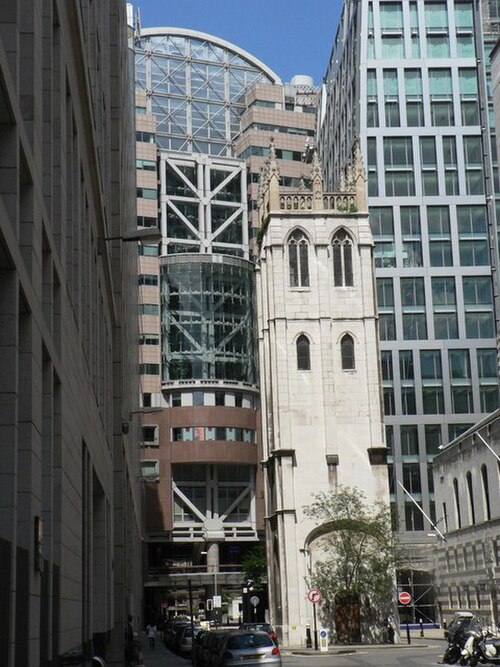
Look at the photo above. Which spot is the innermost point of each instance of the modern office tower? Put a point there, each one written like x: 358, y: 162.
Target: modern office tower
x: 322, y: 420
x: 409, y: 78
x: 287, y: 113
x: 70, y: 550
x: 200, y: 445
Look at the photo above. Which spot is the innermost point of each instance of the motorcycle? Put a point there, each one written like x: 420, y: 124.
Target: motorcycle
x: 458, y: 634
x: 481, y: 646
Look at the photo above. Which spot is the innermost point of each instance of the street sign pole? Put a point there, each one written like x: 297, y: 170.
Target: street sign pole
x: 314, y: 596
x: 315, y: 629
x: 405, y: 599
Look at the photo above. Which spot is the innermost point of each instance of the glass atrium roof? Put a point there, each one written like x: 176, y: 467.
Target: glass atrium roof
x: 194, y: 84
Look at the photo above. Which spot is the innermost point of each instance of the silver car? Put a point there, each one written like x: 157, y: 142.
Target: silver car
x: 248, y: 649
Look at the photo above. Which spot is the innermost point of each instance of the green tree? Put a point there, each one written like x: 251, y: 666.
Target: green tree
x: 357, y: 554
x: 255, y: 566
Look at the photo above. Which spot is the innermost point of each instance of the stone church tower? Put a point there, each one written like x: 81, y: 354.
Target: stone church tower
x: 319, y: 370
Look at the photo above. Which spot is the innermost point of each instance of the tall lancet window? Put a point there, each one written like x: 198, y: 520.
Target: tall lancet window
x: 347, y: 353
x: 303, y: 353
x: 298, y: 258
x: 342, y: 259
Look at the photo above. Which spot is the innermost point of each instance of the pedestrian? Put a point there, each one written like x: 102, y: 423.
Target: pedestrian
x: 389, y: 626
x: 151, y: 630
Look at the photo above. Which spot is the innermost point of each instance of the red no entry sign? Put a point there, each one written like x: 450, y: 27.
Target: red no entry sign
x: 404, y: 598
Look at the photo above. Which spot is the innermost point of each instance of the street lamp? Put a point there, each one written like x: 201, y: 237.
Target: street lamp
x: 144, y: 235
x: 141, y: 411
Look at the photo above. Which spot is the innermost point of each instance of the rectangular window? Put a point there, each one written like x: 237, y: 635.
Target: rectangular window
x: 428, y: 165
x: 487, y: 364
x: 148, y: 250
x: 414, y: 31
x: 444, y: 308
x: 147, y: 193
x: 149, y: 339
x: 386, y: 364
x: 473, y: 159
x: 398, y: 160
x: 459, y: 363
x: 414, y: 326
x: 433, y: 400
x: 469, y: 99
x: 461, y: 400
x: 148, y: 279
x: 391, y: 98
x: 389, y: 403
x: 149, y: 369
x: 145, y: 165
x: 450, y: 165
x: 150, y: 436
x: 149, y: 309
x: 406, y: 370
x: 410, y: 231
x: 176, y: 399
x: 409, y: 440
x: 438, y: 224
x: 430, y: 365
x: 412, y: 292
x: 414, y: 98
x: 387, y: 326
x: 432, y: 439
x: 372, y: 166
x: 385, y: 293
x: 464, y: 26
x: 436, y: 28
x: 414, y: 519
x: 220, y: 398
x: 381, y: 221
x: 371, y: 99
x: 441, y: 97
x: 408, y: 403
x: 411, y: 478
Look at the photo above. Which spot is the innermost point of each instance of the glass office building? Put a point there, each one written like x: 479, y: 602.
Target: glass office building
x: 200, y: 449
x: 409, y: 78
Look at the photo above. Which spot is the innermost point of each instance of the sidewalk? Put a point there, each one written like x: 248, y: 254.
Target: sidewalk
x: 161, y: 657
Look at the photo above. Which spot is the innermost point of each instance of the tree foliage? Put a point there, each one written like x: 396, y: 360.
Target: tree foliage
x: 255, y: 566
x: 358, y: 548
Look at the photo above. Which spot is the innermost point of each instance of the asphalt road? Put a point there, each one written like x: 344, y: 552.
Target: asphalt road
x: 404, y: 656
x: 426, y: 654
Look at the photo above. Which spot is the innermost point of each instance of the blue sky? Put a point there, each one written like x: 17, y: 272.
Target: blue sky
x: 289, y: 36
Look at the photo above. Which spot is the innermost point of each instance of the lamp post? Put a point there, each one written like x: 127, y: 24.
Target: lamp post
x: 144, y: 235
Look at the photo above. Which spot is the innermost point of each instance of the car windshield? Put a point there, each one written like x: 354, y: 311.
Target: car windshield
x: 248, y: 641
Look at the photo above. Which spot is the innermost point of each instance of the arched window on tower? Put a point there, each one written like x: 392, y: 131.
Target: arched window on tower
x: 303, y: 354
x: 298, y: 259
x: 347, y: 353
x: 486, y: 493
x: 342, y: 259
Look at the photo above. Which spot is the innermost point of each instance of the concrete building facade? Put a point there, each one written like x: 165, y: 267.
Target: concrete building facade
x: 467, y: 562
x: 70, y: 498
x: 318, y: 349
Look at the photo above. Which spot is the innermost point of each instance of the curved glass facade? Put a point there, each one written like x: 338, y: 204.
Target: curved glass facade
x: 207, y: 319
x: 195, y: 85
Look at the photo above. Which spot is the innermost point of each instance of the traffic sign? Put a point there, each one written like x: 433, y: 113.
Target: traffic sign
x: 217, y: 600
x: 254, y: 600
x: 314, y: 596
x: 404, y: 598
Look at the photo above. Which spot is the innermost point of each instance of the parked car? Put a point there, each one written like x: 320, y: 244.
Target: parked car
x: 260, y: 627
x: 248, y: 649
x: 171, y: 633
x: 185, y: 639
x: 211, y: 645
x: 197, y: 650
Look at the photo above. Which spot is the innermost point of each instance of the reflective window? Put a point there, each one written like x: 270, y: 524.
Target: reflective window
x: 347, y: 353
x: 342, y: 248
x: 303, y: 354
x: 298, y: 248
